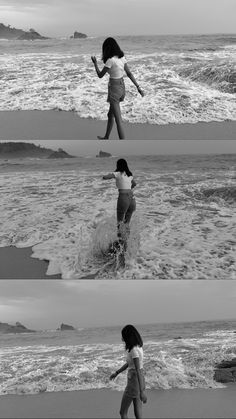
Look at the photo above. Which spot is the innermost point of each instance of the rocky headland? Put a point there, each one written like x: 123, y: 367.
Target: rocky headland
x: 7, y: 32
x: 60, y: 154
x: 17, y: 328
x: 14, y: 150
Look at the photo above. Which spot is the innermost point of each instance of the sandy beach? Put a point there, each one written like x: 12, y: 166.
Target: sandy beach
x: 58, y: 125
x: 196, y: 403
x: 18, y: 264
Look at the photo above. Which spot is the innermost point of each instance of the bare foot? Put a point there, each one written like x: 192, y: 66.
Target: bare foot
x: 102, y: 138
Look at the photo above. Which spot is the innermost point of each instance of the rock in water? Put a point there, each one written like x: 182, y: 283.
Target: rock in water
x: 65, y: 327
x: 225, y: 371
x: 78, y: 35
x: 103, y: 154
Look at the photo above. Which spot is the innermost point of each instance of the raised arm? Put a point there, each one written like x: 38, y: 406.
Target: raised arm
x: 100, y: 73
x: 132, y: 78
x: 109, y: 176
x: 143, y: 396
x: 123, y: 368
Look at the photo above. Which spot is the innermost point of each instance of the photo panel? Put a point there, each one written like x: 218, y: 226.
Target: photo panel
x: 61, y: 345
x: 65, y: 213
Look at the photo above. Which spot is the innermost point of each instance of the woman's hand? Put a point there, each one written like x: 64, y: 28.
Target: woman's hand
x: 113, y: 376
x: 143, y: 397
x: 141, y: 92
x: 94, y: 59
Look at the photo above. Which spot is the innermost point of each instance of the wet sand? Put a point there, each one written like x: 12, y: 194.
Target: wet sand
x: 60, y: 125
x: 195, y: 403
x: 18, y: 264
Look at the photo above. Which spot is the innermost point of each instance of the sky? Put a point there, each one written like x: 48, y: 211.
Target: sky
x: 141, y: 147
x: 46, y: 304
x: 120, y: 17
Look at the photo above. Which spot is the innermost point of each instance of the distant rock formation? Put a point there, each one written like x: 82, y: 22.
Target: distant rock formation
x: 17, y: 328
x: 78, y: 35
x: 60, y: 154
x: 31, y: 36
x: 103, y: 154
x: 225, y: 371
x: 13, y: 150
x: 65, y: 327
x: 7, y: 32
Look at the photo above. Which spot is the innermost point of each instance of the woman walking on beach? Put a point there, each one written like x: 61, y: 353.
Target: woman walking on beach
x: 116, y: 65
x: 126, y: 203
x: 135, y: 389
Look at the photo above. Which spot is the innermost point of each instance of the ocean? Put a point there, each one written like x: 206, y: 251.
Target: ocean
x: 184, y: 226
x: 186, y: 79
x: 176, y: 355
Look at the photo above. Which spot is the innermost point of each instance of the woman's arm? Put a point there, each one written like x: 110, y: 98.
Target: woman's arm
x: 123, y: 368
x: 109, y: 176
x: 99, y: 73
x: 133, y: 184
x: 132, y: 78
x: 143, y: 396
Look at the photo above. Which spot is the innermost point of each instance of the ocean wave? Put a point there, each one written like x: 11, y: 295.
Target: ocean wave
x: 221, y: 76
x: 182, y: 363
x: 180, y: 86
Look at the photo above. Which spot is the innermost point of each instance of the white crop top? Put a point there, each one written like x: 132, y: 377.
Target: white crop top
x: 136, y: 352
x: 122, y: 180
x: 115, y: 67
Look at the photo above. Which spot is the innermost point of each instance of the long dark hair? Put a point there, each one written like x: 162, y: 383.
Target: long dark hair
x: 122, y: 166
x: 110, y: 48
x: 131, y: 337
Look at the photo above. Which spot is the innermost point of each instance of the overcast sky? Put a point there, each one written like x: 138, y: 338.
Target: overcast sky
x: 120, y: 17
x: 46, y: 304
x: 141, y: 147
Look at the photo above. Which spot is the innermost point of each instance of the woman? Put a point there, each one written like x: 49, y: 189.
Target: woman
x: 126, y: 203
x: 115, y: 64
x: 135, y: 389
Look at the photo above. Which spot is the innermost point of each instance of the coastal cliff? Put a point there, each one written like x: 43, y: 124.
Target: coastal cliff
x: 7, y: 32
x: 13, y: 150
x: 17, y: 328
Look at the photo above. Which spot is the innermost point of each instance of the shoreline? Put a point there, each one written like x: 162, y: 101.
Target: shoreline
x: 61, y: 125
x: 175, y: 403
x: 17, y: 263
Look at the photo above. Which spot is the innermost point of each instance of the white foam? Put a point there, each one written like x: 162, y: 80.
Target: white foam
x: 67, y: 81
x: 38, y: 368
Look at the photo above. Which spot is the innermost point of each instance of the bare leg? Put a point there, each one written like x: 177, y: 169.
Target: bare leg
x: 117, y: 114
x: 110, y: 123
x: 138, y: 413
x: 125, y: 404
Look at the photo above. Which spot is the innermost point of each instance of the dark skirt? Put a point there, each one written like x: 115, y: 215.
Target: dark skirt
x: 132, y: 388
x: 116, y: 90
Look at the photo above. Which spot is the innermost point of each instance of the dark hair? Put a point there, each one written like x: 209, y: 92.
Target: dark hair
x: 110, y: 48
x: 131, y: 337
x: 122, y: 166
